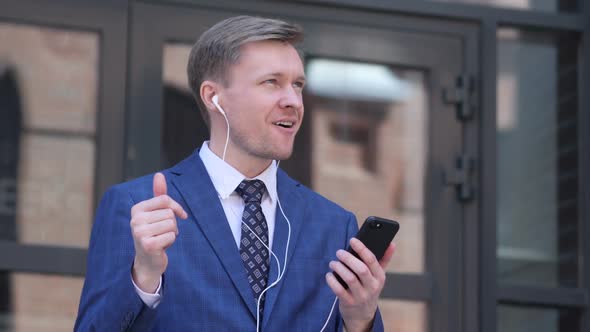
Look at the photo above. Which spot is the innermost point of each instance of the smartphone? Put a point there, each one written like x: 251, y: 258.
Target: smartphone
x: 376, y: 234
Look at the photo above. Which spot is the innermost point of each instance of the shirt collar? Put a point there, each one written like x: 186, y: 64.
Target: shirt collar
x: 226, y: 179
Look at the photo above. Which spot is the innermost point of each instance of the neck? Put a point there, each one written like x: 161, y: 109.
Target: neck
x: 246, y: 164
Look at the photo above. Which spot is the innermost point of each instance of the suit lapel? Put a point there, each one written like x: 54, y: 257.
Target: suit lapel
x: 196, y: 188
x: 294, y: 208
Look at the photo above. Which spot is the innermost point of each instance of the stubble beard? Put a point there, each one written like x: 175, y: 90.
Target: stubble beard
x: 262, y: 148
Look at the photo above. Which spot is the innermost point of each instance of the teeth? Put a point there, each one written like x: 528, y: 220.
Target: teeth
x: 284, y: 123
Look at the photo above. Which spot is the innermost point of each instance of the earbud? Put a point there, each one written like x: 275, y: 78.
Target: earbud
x: 215, y: 101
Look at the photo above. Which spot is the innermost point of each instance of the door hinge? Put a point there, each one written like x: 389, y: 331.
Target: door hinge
x: 459, y: 177
x: 461, y: 95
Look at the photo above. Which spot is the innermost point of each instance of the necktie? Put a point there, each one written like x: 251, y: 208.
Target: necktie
x: 254, y: 254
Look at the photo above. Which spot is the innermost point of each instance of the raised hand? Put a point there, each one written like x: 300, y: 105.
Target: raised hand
x: 154, y: 229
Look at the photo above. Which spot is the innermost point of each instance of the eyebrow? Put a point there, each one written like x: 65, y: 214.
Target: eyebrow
x: 299, y: 78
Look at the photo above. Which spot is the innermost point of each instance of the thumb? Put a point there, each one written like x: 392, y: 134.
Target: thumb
x: 159, y: 185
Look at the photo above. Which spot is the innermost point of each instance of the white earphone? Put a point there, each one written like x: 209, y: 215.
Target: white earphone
x: 215, y: 101
x: 281, y: 271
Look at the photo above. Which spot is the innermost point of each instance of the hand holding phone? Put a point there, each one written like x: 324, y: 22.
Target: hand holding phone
x: 376, y: 234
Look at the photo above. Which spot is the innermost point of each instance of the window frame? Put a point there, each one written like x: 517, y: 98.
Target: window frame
x: 108, y: 19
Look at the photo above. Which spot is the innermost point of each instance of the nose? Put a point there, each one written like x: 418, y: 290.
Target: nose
x: 291, y: 98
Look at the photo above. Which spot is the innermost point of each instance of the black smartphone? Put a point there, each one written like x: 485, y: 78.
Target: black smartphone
x: 376, y: 234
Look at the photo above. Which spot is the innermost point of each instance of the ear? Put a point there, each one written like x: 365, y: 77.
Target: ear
x: 207, y: 91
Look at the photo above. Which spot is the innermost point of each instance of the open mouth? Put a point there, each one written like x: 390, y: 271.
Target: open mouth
x: 284, y: 124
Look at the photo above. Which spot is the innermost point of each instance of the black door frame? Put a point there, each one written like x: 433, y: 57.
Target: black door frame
x: 153, y: 25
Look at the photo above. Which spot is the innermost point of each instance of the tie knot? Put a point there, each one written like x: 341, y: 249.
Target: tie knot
x: 251, y: 191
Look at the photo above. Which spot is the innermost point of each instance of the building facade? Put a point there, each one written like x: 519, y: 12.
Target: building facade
x: 465, y: 120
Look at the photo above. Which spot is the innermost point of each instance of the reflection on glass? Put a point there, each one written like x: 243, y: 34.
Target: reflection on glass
x: 48, y: 93
x: 537, y: 167
x: 540, y: 5
x: 369, y: 145
x: 404, y: 316
x: 37, y: 302
x: 530, y: 319
x: 183, y: 129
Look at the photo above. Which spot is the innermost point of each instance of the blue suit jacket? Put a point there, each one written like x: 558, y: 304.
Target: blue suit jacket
x: 205, y: 287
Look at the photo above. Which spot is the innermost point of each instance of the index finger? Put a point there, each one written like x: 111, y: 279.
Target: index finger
x: 161, y: 202
x: 366, y: 256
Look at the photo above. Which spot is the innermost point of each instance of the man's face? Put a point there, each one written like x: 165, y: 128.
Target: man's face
x: 263, y: 100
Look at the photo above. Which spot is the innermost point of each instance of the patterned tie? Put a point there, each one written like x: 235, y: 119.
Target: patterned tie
x: 254, y: 254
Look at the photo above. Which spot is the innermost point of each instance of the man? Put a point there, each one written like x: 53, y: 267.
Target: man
x: 187, y: 249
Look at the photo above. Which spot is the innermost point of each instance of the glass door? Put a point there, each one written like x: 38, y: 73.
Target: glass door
x: 382, y: 134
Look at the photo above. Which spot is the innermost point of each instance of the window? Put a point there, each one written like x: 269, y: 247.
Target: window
x: 537, y: 180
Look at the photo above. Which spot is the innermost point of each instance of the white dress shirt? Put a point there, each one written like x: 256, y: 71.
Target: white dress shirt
x: 226, y: 179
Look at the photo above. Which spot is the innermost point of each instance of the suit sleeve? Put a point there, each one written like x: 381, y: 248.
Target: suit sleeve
x: 109, y: 301
x: 352, y: 229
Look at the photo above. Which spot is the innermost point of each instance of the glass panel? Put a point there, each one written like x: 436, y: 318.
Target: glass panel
x: 530, y: 319
x: 404, y: 316
x: 33, y: 302
x: 537, y: 165
x: 48, y: 93
x: 368, y: 131
x: 540, y: 5
x: 183, y: 129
